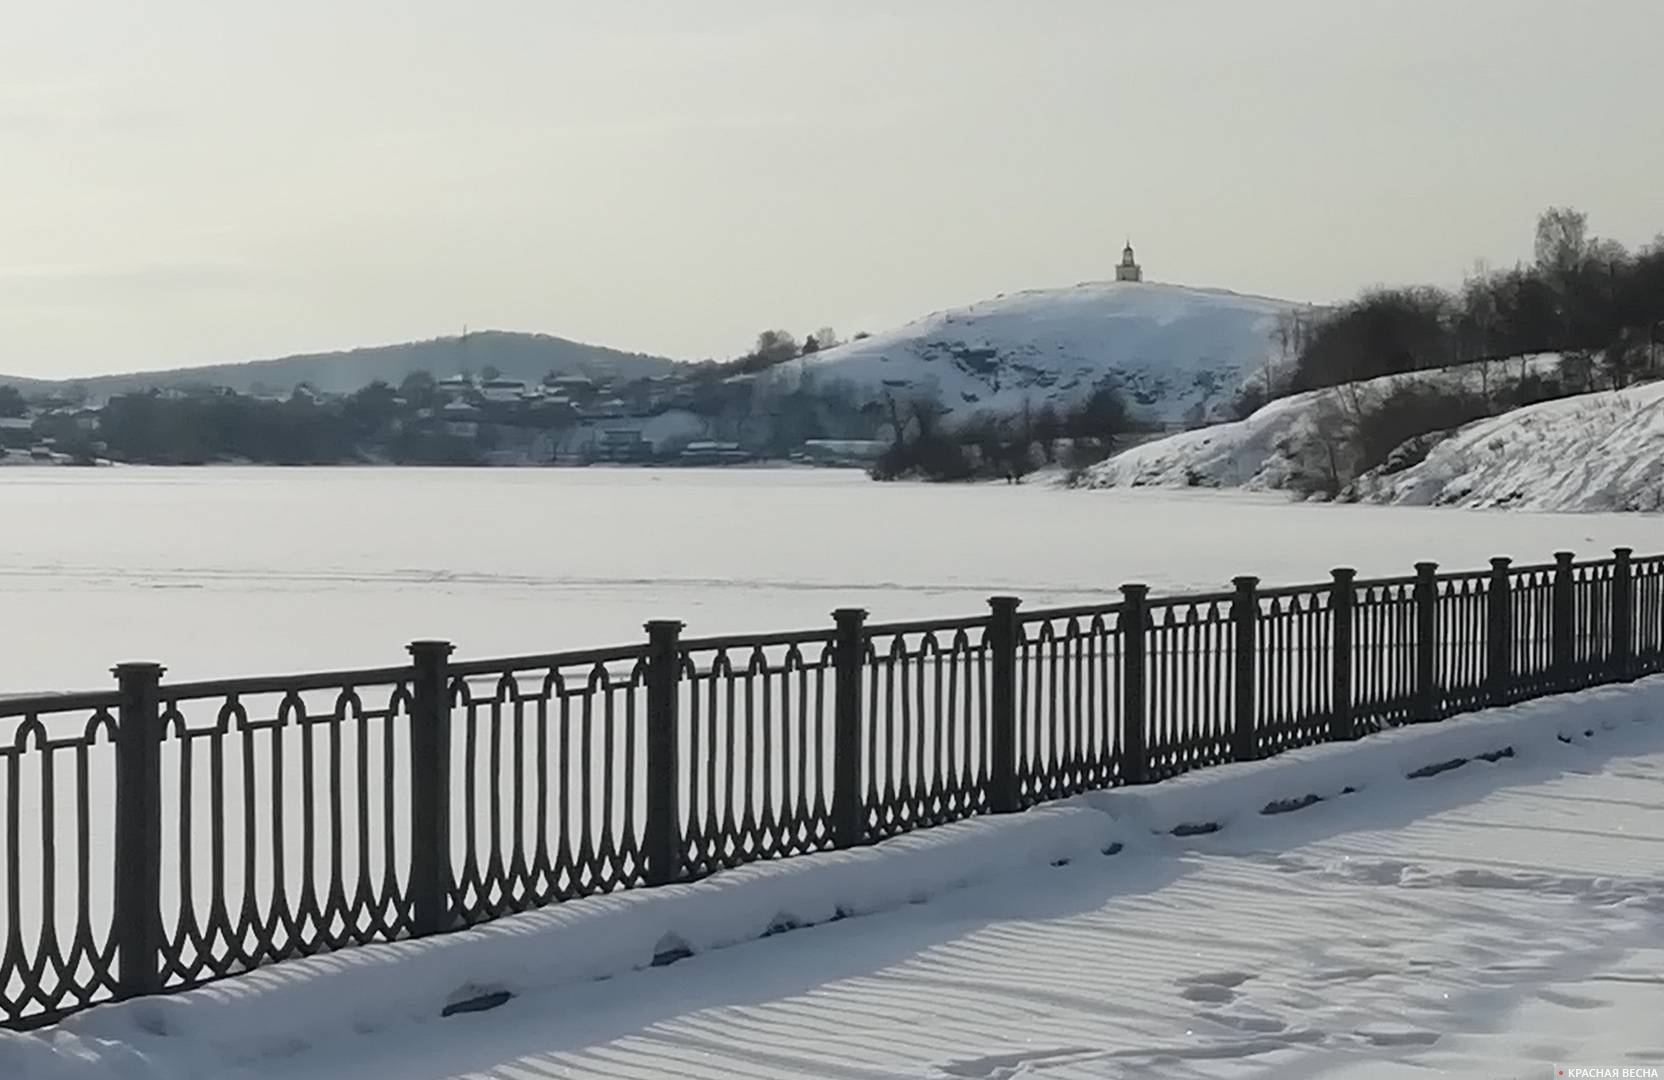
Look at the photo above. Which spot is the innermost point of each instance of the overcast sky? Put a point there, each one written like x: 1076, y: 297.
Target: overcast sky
x: 196, y: 181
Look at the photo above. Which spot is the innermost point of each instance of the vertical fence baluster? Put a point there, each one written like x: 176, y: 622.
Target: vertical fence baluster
x: 1561, y: 621
x: 1426, y: 638
x: 1002, y: 657
x: 1499, y: 633
x: 1135, y: 758
x: 137, y: 914
x: 1245, y: 614
x: 849, y: 815
x: 1341, y: 606
x: 1623, y: 616
x: 430, y: 787
x: 662, y: 840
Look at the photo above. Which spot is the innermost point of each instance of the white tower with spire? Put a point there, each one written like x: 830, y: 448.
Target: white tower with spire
x: 1129, y: 270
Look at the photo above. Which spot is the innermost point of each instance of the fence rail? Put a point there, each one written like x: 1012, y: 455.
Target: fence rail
x: 161, y: 835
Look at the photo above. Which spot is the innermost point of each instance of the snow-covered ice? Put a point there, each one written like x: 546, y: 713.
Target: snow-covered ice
x: 219, y: 572
x: 1491, y: 919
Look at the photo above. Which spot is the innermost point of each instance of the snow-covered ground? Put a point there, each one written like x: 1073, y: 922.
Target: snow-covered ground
x: 1271, y: 449
x: 1600, y: 451
x: 219, y: 572
x: 1478, y: 898
x: 1172, y: 348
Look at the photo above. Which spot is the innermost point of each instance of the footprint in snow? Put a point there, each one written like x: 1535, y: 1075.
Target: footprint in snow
x: 1215, y: 988
x: 1397, y: 1035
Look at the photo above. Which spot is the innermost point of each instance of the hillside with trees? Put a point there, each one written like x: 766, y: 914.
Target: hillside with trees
x: 1588, y: 298
x: 1370, y: 389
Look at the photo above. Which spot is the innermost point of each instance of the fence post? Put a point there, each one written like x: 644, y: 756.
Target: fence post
x: 1135, y: 752
x: 1245, y: 611
x: 1002, y: 734
x: 849, y: 807
x: 1427, y: 630
x: 662, y: 833
x: 1499, y: 633
x: 1565, y: 599
x: 430, y: 787
x: 1341, y: 604
x: 1623, y: 615
x: 137, y: 905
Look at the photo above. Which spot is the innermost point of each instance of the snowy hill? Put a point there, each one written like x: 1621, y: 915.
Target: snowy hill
x: 1593, y: 452
x: 1275, y: 447
x: 1590, y: 452
x: 1173, y: 349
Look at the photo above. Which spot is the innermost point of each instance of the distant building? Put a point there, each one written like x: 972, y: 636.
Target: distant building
x: 502, y: 391
x: 461, y: 420
x: 843, y: 451
x: 710, y: 452
x: 1129, y: 270
x: 622, y: 444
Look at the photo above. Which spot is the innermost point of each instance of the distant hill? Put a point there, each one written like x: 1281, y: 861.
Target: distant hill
x: 516, y: 355
x: 1172, y: 349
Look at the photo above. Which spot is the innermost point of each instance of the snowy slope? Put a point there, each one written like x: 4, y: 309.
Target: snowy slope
x: 1496, y: 915
x: 1269, y: 450
x: 1593, y: 452
x: 1170, y: 347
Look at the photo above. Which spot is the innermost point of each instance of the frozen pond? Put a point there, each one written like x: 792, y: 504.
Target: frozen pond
x: 226, y: 571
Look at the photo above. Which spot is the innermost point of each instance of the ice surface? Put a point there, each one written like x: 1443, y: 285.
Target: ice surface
x: 223, y: 571
x: 1491, y: 919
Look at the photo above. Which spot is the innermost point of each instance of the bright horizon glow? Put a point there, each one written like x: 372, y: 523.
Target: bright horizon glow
x: 193, y: 183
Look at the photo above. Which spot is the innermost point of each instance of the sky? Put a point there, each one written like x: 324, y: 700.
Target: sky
x: 193, y: 181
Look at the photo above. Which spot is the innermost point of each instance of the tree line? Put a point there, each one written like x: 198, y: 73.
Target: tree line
x: 1000, y: 446
x: 1589, y: 298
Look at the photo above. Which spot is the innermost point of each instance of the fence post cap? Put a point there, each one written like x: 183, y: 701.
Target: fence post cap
x: 1005, y: 603
x: 430, y: 647
x: 1565, y: 558
x: 663, y: 627
x: 850, y: 614
x: 1501, y: 562
x: 1427, y: 569
x: 1623, y: 553
x: 1343, y: 573
x: 1135, y: 591
x: 138, y: 669
x: 1245, y: 582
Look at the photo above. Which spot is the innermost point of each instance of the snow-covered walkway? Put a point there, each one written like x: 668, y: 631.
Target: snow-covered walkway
x: 1500, y: 918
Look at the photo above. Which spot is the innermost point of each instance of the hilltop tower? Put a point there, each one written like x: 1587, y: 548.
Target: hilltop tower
x: 1129, y: 270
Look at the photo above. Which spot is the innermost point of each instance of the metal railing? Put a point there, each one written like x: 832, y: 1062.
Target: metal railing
x: 161, y: 835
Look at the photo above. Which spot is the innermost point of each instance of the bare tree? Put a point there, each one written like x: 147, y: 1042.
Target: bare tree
x: 1562, y: 240
x: 775, y: 347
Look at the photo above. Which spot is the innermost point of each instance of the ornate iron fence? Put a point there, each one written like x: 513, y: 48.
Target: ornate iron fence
x: 160, y: 835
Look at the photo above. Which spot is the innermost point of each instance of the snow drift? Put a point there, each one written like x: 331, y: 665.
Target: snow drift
x: 1172, y: 349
